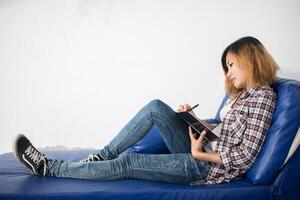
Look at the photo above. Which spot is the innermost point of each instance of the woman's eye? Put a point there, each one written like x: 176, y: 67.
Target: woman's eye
x: 230, y: 65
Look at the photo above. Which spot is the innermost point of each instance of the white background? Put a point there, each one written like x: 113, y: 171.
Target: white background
x: 74, y: 72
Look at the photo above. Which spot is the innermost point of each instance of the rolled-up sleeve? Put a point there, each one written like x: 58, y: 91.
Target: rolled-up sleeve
x: 258, y: 121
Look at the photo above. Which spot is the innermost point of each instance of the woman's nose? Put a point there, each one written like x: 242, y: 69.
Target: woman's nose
x: 228, y: 74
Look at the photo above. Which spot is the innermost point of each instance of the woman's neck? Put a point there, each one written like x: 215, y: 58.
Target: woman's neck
x: 250, y: 85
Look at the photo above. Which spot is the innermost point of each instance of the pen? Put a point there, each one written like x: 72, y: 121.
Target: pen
x: 195, y: 106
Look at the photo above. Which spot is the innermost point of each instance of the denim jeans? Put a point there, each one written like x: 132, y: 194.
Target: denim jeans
x: 177, y: 167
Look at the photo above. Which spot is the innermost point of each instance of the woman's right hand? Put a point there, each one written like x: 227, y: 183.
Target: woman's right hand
x: 184, y: 108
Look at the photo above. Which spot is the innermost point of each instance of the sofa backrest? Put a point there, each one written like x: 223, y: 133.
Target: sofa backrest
x: 285, y: 124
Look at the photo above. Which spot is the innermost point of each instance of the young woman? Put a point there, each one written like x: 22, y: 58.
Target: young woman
x: 245, y: 119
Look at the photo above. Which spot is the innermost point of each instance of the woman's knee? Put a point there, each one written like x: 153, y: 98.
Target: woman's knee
x: 157, y: 104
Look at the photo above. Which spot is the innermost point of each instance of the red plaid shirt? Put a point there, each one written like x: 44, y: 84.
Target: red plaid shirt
x: 242, y: 135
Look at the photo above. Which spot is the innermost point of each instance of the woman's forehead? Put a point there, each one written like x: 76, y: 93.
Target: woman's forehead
x: 230, y: 56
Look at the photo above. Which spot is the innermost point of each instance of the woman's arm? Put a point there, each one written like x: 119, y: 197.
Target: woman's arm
x: 212, y: 157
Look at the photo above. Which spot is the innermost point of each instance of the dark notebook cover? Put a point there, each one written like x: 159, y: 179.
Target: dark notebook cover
x: 198, y: 126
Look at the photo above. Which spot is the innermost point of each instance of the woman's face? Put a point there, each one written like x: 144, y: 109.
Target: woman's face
x: 235, y: 72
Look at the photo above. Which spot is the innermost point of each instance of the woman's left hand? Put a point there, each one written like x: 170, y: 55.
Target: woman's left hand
x: 196, y: 149
x: 196, y: 144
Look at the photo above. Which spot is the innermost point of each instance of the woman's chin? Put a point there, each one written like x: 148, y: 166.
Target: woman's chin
x: 237, y: 86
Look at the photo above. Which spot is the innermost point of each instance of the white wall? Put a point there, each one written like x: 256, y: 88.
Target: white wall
x: 74, y: 72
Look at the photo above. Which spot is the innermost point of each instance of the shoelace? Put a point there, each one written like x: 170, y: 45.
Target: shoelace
x: 34, y: 155
x: 91, y: 157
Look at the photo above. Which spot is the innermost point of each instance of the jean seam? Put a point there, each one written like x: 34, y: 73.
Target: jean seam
x: 147, y: 118
x: 196, y: 165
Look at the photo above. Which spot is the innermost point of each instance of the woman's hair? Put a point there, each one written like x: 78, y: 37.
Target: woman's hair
x: 253, y: 59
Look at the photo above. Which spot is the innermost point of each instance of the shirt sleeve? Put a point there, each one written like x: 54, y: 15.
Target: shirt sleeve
x: 259, y: 119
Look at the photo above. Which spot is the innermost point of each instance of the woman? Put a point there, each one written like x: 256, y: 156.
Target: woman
x: 245, y: 119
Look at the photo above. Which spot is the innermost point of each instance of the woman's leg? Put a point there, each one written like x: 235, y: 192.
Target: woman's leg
x: 173, y: 130
x: 171, y: 168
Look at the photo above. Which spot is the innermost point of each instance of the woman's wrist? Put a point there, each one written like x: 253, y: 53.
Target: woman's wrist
x: 212, y: 157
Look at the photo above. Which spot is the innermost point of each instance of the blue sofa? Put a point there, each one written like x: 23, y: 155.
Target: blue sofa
x: 269, y: 178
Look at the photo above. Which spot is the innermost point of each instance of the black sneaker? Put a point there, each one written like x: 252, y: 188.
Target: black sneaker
x: 92, y: 157
x: 25, y: 152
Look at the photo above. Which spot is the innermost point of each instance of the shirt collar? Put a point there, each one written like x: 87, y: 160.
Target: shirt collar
x: 252, y: 90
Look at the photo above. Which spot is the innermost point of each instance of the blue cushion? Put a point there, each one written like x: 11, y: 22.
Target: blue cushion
x: 217, y: 117
x: 285, y: 123
x: 152, y: 143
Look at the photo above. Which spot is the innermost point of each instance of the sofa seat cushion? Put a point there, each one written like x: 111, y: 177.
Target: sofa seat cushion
x: 16, y: 182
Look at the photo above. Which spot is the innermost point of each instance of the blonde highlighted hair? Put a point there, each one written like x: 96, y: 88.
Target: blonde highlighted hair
x: 255, y: 61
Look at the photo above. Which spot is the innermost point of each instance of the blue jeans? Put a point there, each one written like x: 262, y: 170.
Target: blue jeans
x: 177, y: 167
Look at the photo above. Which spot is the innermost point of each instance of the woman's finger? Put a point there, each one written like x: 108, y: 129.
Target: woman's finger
x: 191, y: 134
x: 184, y: 107
x: 202, y: 135
x: 180, y: 108
x: 188, y: 106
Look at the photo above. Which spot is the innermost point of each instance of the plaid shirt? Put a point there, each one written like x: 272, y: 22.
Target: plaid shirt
x: 242, y: 135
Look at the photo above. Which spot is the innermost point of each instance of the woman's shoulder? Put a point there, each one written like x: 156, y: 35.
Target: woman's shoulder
x: 265, y: 94
x: 265, y: 91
